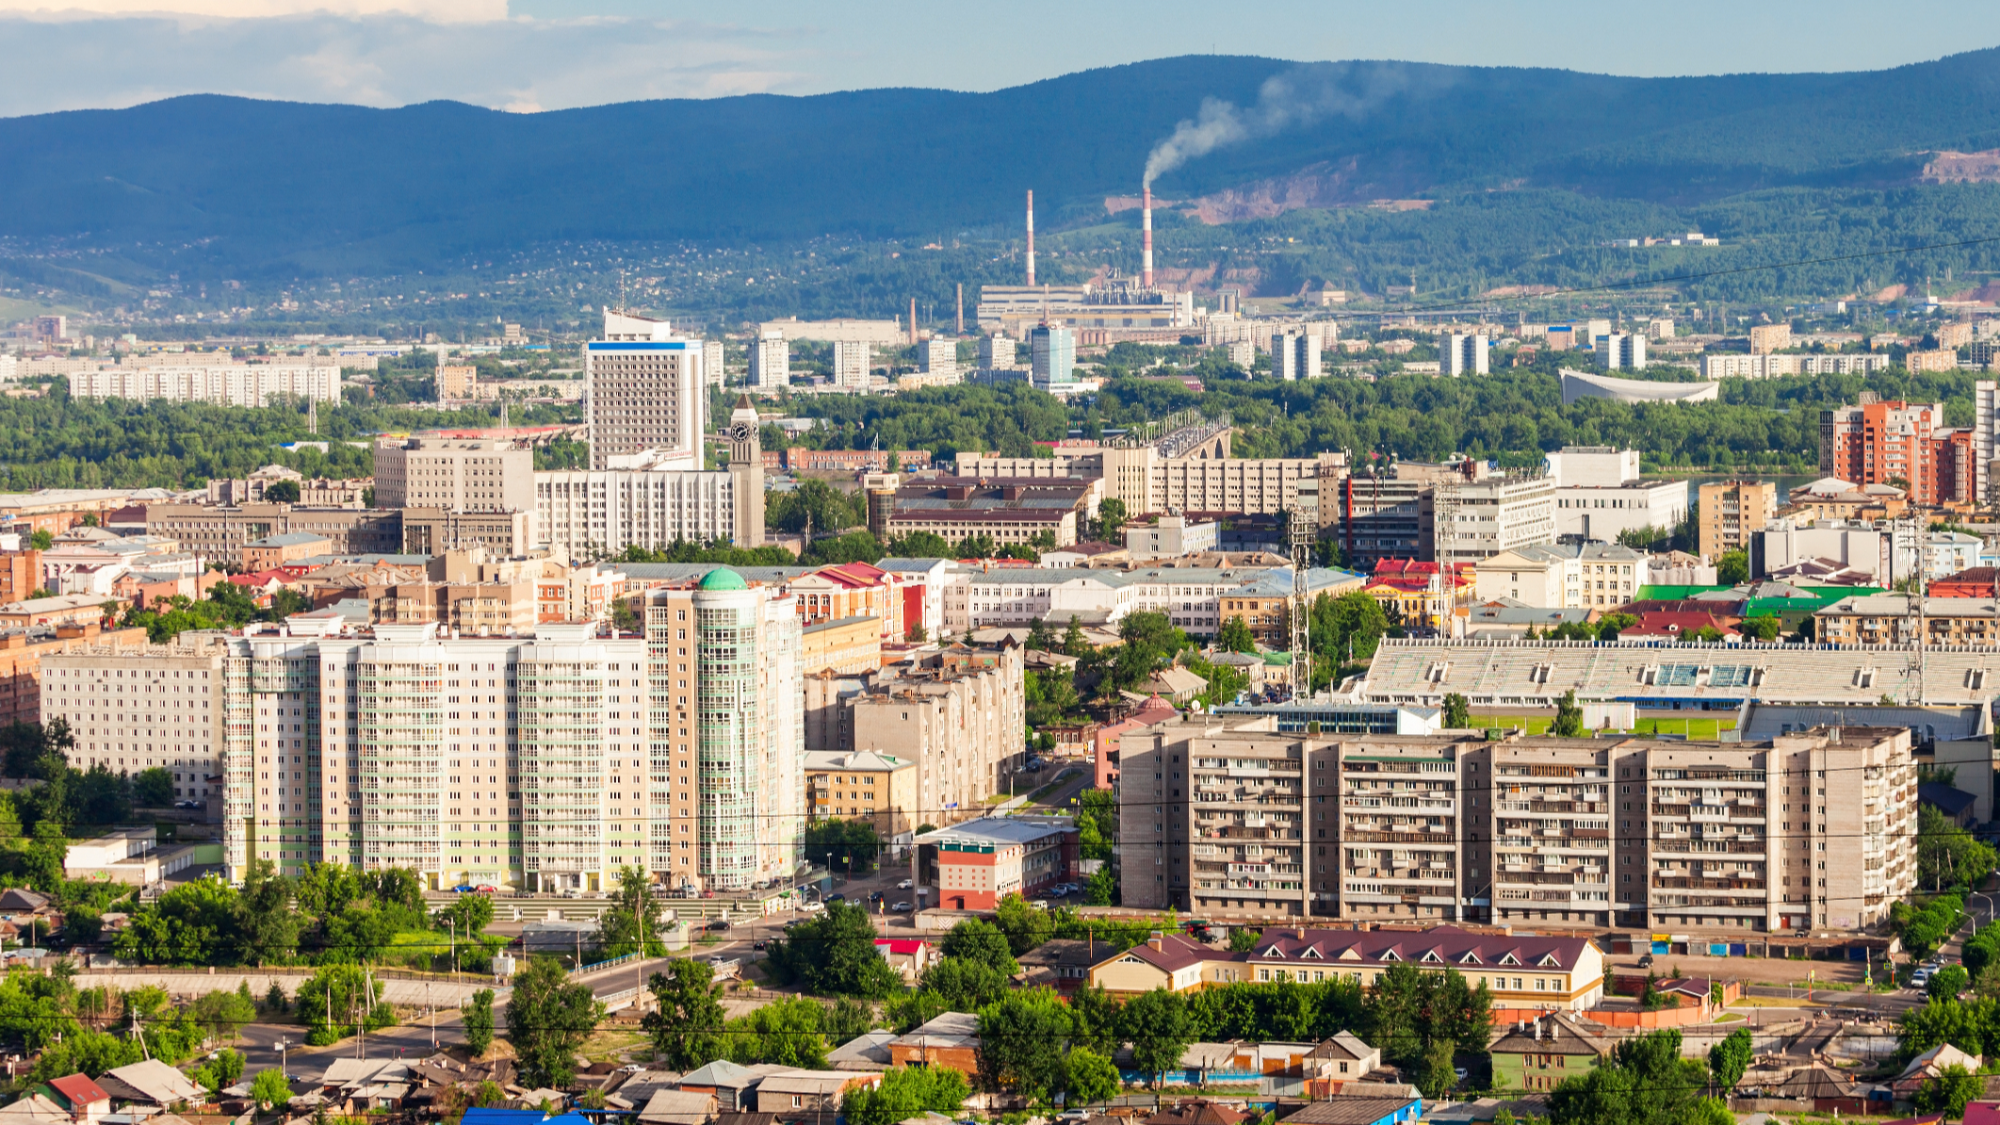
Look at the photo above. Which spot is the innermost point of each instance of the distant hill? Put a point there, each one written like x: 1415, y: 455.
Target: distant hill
x: 273, y: 187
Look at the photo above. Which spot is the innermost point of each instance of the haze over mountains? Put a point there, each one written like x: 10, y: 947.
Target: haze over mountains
x: 278, y: 186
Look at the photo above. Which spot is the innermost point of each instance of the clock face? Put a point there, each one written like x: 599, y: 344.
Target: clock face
x: 741, y: 431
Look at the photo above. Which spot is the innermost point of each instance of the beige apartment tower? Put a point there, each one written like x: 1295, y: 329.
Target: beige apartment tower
x: 1812, y: 829
x: 455, y: 475
x: 1731, y: 511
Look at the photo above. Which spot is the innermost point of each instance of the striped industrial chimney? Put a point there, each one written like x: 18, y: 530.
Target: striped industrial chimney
x: 1146, y: 239
x: 1031, y: 238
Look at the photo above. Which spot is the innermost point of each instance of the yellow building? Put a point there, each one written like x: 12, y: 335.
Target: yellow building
x: 1731, y: 511
x: 860, y: 785
x: 845, y: 645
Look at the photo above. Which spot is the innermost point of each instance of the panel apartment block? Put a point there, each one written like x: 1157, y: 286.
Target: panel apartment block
x: 219, y: 534
x: 456, y: 475
x: 1805, y: 830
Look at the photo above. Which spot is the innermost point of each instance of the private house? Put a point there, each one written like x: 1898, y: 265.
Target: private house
x: 1538, y: 1054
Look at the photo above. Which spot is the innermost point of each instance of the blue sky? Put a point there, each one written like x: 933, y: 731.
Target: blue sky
x: 529, y: 55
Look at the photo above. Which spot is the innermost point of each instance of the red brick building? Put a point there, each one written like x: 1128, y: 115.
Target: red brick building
x: 1902, y: 443
x: 972, y: 866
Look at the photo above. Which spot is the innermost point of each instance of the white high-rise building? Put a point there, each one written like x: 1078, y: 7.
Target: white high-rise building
x: 1295, y: 355
x: 1460, y: 354
x: 770, y: 360
x: 998, y: 352
x: 938, y: 356
x: 1621, y: 351
x: 1985, y: 423
x: 643, y: 390
x: 850, y: 363
x: 713, y: 364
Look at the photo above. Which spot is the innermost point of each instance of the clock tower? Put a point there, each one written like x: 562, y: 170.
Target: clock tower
x: 746, y: 473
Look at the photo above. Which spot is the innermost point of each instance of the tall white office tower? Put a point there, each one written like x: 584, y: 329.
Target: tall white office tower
x: 644, y: 390
x: 1463, y: 354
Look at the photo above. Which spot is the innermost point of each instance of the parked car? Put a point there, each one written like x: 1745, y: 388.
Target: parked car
x: 811, y: 907
x: 904, y: 885
x: 760, y: 946
x: 874, y: 896
x: 720, y: 925
x: 1920, y: 978
x: 187, y: 804
x: 462, y: 889
x: 901, y: 908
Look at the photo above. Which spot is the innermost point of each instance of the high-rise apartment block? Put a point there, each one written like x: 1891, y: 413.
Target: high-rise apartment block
x: 643, y: 390
x: 1053, y: 351
x: 1884, y: 443
x: 547, y: 762
x: 714, y: 362
x: 456, y: 381
x: 222, y: 384
x: 1767, y: 338
x: 938, y: 356
x: 1730, y: 512
x: 851, y: 360
x: 454, y: 474
x: 1463, y: 354
x: 1618, y: 351
x: 1294, y: 356
x: 999, y: 352
x: 770, y: 360
x: 1244, y: 821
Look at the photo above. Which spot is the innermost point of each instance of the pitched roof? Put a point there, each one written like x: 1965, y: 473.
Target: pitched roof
x: 949, y: 1029
x: 1816, y: 1081
x: 1560, y: 1035
x: 78, y: 1090
x: 149, y: 1081
x: 1171, y: 953
x: 867, y: 1051
x: 1440, y: 945
x: 1944, y: 798
x: 1356, y: 1110
x: 1198, y: 1111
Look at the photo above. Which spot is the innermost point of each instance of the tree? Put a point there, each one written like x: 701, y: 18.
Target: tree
x: 1763, y: 627
x: 1947, y: 983
x: 1025, y: 926
x: 282, y: 492
x: 1643, y: 1082
x: 1111, y: 517
x: 964, y: 984
x: 1021, y: 1042
x: 548, y: 1018
x: 1089, y: 1078
x: 1949, y: 1091
x: 1439, y: 1075
x: 981, y: 941
x: 1947, y: 855
x: 478, y: 1017
x: 687, y: 1019
x: 265, y: 920
x: 1732, y: 567
x: 1235, y: 636
x: 1159, y: 1028
x: 1728, y: 1059
x: 1569, y: 717
x: 1073, y: 643
x: 1457, y: 711
x: 906, y: 1092
x: 1242, y: 939
x: 834, y: 955
x: 42, y: 540
x: 270, y: 1090
x: 632, y: 925
x: 843, y: 845
x: 785, y: 1032
x: 153, y: 788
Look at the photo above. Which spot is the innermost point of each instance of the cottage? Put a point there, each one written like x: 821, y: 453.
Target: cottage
x: 867, y: 1051
x: 86, y: 1101
x: 951, y: 1039
x: 678, y: 1107
x: 1538, y: 1054
x: 150, y: 1082
x: 814, y: 1091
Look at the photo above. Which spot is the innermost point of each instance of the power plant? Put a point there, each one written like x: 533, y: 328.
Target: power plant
x: 1102, y: 312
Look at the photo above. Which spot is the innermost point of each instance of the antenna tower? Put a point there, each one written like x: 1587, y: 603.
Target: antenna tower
x: 1304, y: 532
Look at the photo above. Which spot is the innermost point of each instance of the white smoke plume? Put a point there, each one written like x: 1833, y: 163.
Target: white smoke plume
x: 1296, y: 98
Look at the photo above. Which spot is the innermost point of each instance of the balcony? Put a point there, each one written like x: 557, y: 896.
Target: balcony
x: 1692, y: 883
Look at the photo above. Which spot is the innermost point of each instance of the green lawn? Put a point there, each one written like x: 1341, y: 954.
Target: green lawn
x: 1704, y: 728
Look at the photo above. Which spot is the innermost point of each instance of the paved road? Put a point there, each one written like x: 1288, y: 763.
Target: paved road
x: 301, y: 1062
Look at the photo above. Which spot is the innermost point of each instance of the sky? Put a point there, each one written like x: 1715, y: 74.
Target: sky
x: 531, y: 55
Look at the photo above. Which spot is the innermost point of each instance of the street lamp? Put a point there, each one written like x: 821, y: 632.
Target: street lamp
x: 281, y: 1045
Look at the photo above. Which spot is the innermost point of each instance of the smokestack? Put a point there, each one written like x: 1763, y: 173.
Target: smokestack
x: 913, y: 322
x: 961, y: 311
x: 1031, y: 238
x: 1146, y: 240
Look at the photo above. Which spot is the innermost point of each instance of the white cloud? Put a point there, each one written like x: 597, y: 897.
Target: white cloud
x: 384, y: 60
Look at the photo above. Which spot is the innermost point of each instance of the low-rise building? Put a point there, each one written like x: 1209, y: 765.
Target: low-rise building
x: 275, y: 551
x: 1875, y: 619
x: 1537, y: 1055
x: 844, y: 645
x: 1172, y: 536
x: 1563, y: 576
x: 947, y: 1040
x: 219, y: 534
x: 973, y: 865
x: 857, y: 785
x: 1008, y: 510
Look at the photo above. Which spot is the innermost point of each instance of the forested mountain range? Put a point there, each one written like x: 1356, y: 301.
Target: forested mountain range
x: 269, y: 187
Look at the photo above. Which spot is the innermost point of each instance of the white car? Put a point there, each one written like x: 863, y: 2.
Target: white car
x: 811, y: 906
x: 905, y: 885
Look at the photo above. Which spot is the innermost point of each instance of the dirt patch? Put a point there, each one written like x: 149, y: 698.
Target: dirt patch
x: 1754, y: 970
x: 1962, y: 168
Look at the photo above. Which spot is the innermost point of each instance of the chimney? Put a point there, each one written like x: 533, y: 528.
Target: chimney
x: 1146, y: 239
x: 1031, y: 238
x: 1538, y: 1029
x: 913, y: 322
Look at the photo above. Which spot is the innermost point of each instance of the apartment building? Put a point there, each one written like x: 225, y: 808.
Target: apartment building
x: 1248, y: 822
x: 1620, y: 351
x: 1775, y: 366
x: 219, y: 534
x: 643, y: 390
x: 1464, y: 354
x: 851, y: 360
x: 222, y: 384
x: 1883, y: 443
x: 133, y: 706
x: 1891, y: 619
x: 846, y: 645
x: 454, y: 474
x: 456, y: 382
x: 590, y: 513
x: 1564, y: 576
x: 1295, y: 355
x: 938, y: 358
x: 770, y: 360
x: 958, y: 714
x: 1731, y: 512
x: 878, y: 788
x: 1767, y: 338
x: 23, y: 678
x: 545, y: 763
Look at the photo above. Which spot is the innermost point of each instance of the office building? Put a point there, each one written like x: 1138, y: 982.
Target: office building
x: 1621, y: 351
x: 1053, y: 351
x: 590, y: 513
x: 459, y: 475
x: 1294, y: 356
x: 222, y: 384
x: 1463, y: 354
x: 1600, y: 494
x: 219, y: 534
x: 1731, y: 511
x: 1522, y: 831
x: 1170, y: 537
x: 643, y: 390
x: 851, y: 359
x: 770, y: 360
x: 938, y: 358
x: 433, y: 531
x: 972, y: 866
